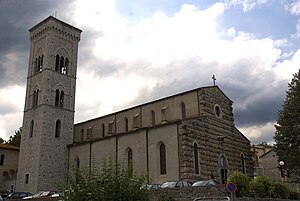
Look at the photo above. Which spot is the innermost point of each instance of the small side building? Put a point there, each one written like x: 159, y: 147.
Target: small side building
x: 270, y: 163
x: 9, y: 156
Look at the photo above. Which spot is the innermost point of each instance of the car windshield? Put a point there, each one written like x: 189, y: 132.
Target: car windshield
x: 170, y: 184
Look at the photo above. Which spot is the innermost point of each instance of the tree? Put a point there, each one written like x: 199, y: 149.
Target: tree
x: 287, y: 135
x: 113, y: 181
x: 15, y: 139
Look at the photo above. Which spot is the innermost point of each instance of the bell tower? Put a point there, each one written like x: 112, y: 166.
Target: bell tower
x: 48, y: 120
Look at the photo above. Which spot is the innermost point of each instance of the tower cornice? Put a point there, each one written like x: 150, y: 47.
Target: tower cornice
x: 53, y: 24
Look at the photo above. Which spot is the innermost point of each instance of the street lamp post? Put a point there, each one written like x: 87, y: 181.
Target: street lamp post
x: 281, y: 164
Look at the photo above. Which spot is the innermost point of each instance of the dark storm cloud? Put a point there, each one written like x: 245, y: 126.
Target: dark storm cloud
x: 257, y: 103
x: 16, y: 18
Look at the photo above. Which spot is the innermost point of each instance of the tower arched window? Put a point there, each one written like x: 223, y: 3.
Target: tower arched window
x: 126, y: 124
x: 57, y: 63
x: 183, y: 110
x: 56, y: 97
x: 61, y: 64
x: 196, y: 158
x: 61, y: 99
x: 38, y: 63
x: 57, y: 128
x: 31, y: 129
x: 162, y: 158
x: 152, y: 118
x: 35, y: 99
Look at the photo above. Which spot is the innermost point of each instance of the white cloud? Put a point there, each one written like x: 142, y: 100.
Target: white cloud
x: 247, y: 4
x: 288, y: 67
x: 258, y: 134
x: 12, y: 100
x: 294, y: 7
x: 297, y: 34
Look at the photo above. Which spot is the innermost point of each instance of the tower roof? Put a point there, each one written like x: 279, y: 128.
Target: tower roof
x: 56, y: 20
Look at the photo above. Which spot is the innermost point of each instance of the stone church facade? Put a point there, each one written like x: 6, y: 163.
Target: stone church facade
x: 189, y: 136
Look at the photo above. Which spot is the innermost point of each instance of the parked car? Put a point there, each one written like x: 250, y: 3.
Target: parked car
x: 40, y: 194
x: 210, y: 182
x: 17, y: 195
x: 154, y: 186
x: 175, y: 184
x: 212, y: 199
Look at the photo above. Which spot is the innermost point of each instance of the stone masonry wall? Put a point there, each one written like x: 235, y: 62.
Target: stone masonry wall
x: 205, y: 131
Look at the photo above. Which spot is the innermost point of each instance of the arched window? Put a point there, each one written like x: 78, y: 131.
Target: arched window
x: 183, y: 110
x: 223, y: 165
x: 65, y: 67
x: 56, y: 97
x: 81, y: 135
x: 38, y: 64
x: 129, y: 156
x: 31, y: 129
x: 57, y: 63
x: 162, y: 158
x: 61, y: 64
x: 61, y: 99
x: 57, y: 128
x: 243, y: 162
x: 196, y: 158
x: 35, y: 99
x: 2, y: 159
x: 41, y: 63
x: 103, y: 130
x: 152, y: 118
x: 126, y: 124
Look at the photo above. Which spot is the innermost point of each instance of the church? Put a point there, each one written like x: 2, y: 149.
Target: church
x: 188, y: 136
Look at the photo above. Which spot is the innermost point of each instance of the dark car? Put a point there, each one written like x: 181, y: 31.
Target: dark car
x: 175, y: 184
x: 154, y: 186
x: 210, y: 182
x: 17, y: 195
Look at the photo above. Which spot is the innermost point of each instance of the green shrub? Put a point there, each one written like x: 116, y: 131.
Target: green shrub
x: 242, y: 183
x: 110, y: 183
x: 293, y: 195
x: 279, y: 190
x: 266, y: 183
x: 257, y: 189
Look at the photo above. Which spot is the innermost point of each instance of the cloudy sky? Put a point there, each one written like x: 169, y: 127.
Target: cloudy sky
x: 135, y: 51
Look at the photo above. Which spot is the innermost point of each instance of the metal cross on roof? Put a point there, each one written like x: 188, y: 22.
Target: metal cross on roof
x: 214, y: 80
